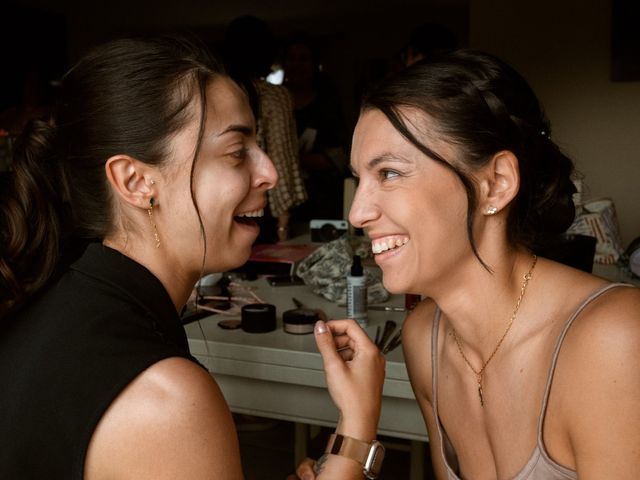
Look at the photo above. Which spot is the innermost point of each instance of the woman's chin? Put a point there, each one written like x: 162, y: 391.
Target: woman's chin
x: 230, y: 261
x: 394, y: 286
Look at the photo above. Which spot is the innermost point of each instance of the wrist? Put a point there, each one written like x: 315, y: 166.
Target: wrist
x: 367, y: 455
x: 360, y: 429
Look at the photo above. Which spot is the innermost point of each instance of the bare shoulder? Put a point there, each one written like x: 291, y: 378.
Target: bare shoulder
x: 416, y: 345
x: 598, y: 386
x: 607, y: 324
x: 170, y: 422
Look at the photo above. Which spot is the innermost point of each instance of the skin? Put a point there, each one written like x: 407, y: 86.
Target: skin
x: 172, y: 421
x: 592, y: 422
x: 356, y: 372
x: 230, y: 160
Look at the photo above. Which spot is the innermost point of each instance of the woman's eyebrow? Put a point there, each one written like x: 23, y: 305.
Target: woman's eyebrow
x: 246, y: 130
x: 386, y: 157
x: 377, y: 160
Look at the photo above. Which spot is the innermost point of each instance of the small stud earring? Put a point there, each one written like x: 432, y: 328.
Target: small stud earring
x: 491, y: 210
x: 153, y: 224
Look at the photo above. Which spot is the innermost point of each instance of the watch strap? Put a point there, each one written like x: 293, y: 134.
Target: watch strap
x: 348, y: 447
x: 367, y: 454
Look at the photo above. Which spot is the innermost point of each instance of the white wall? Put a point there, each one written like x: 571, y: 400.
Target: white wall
x: 562, y: 47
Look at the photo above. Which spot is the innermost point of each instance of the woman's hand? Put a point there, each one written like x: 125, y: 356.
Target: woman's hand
x: 354, y: 368
x: 304, y: 470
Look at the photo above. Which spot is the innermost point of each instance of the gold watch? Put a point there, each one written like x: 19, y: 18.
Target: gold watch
x: 368, y: 454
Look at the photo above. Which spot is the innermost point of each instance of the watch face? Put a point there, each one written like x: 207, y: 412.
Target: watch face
x: 373, y: 465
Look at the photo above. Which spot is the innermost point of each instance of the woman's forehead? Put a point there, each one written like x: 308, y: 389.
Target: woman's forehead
x: 375, y: 133
x: 227, y: 105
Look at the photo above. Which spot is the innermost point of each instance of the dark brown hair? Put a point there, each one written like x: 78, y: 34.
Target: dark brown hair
x: 482, y: 106
x: 129, y: 97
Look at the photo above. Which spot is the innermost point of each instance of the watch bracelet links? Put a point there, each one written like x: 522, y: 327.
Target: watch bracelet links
x: 353, y: 449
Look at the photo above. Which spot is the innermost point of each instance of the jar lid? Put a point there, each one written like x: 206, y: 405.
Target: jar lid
x: 258, y: 318
x: 299, y: 320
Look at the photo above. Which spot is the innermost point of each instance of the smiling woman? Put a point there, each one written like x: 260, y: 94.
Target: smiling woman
x: 147, y: 177
x: 227, y: 158
x: 523, y: 367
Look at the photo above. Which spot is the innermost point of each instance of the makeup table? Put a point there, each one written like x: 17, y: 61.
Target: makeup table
x: 279, y: 375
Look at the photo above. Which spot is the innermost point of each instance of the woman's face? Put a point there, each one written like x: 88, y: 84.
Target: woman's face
x: 412, y: 207
x: 230, y: 181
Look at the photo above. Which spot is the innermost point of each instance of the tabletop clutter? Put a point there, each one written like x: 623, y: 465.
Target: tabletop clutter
x: 339, y: 271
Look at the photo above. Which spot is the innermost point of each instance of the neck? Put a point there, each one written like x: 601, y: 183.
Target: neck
x: 178, y: 285
x: 480, y: 305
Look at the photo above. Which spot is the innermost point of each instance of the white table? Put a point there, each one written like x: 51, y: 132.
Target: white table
x: 279, y: 375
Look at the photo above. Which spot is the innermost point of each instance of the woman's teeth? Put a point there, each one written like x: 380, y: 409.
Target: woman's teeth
x: 254, y: 213
x: 389, y: 243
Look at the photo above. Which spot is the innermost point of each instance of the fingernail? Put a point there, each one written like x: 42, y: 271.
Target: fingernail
x: 320, y: 327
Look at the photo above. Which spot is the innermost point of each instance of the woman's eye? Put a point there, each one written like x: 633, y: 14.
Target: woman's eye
x: 240, y: 154
x: 388, y: 174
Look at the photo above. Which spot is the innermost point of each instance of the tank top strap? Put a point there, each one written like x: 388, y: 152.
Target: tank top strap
x: 554, y: 359
x: 434, y: 359
x: 447, y: 453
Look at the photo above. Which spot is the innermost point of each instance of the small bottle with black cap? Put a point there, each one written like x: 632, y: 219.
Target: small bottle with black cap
x: 357, y: 293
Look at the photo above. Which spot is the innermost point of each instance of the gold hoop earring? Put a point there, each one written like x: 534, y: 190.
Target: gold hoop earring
x: 153, y: 224
x: 491, y: 210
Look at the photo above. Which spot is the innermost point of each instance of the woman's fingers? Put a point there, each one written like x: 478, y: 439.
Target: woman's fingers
x: 326, y: 345
x: 349, y: 329
x: 305, y: 469
x: 355, y: 374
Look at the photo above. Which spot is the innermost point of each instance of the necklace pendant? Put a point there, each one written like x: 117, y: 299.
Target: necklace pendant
x: 480, y: 394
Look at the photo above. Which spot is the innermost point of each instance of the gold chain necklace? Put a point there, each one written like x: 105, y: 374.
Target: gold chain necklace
x: 480, y: 372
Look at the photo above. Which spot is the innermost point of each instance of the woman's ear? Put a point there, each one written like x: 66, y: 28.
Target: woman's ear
x: 499, y: 183
x: 131, y: 180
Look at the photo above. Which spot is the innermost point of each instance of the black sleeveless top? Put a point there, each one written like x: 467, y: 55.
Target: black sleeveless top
x: 66, y: 356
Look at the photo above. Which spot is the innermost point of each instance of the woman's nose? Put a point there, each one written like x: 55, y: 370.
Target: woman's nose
x: 363, y: 209
x: 266, y: 175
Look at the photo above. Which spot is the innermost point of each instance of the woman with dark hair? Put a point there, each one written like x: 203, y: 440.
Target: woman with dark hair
x: 147, y: 177
x: 522, y: 367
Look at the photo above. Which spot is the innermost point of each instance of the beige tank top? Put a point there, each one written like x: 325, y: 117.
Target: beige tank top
x: 540, y: 466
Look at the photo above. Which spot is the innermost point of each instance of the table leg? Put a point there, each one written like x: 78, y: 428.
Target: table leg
x: 418, y: 457
x: 301, y: 442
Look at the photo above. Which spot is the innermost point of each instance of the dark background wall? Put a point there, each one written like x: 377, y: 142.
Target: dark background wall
x: 351, y: 34
x: 563, y: 48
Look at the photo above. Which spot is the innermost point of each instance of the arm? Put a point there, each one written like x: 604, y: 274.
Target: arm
x: 170, y: 422
x: 416, y: 345
x: 598, y: 388
x: 355, y: 379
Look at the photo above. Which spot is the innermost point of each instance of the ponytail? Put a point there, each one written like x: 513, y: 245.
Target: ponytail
x: 30, y: 216
x: 128, y: 96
